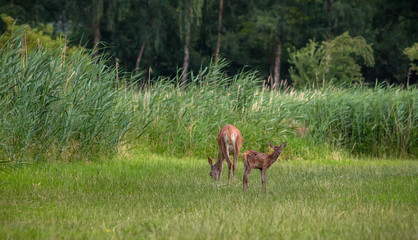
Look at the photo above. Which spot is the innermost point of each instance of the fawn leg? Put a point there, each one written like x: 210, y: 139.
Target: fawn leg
x: 245, y: 181
x: 263, y: 179
x: 245, y: 178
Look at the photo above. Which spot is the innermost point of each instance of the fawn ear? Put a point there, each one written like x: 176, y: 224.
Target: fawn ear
x: 210, y: 161
x: 271, y: 145
x: 283, y: 145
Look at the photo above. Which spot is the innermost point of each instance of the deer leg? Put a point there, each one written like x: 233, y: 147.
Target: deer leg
x: 226, y: 156
x: 234, y: 166
x: 263, y: 179
x: 245, y: 178
x: 220, y: 158
x: 245, y: 181
x: 244, y: 175
x: 229, y: 169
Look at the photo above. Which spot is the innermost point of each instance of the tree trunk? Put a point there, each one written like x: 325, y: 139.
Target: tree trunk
x: 97, y: 10
x: 186, y: 56
x: 329, y: 37
x: 277, y: 65
x: 329, y: 9
x: 117, y: 74
x: 138, y: 60
x: 218, y: 44
x: 96, y: 28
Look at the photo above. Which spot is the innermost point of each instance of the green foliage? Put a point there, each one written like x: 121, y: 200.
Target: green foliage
x: 13, y: 10
x: 249, y: 31
x: 412, y: 53
x: 189, y: 13
x: 330, y: 63
x: 306, y: 64
x: 32, y: 38
x: 57, y: 106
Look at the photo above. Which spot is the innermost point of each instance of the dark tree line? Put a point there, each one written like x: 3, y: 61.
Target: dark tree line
x: 163, y: 35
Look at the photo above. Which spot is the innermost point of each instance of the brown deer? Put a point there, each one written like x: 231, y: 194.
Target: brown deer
x: 229, y: 141
x: 262, y: 161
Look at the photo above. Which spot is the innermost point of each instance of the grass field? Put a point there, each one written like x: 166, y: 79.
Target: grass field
x: 148, y: 196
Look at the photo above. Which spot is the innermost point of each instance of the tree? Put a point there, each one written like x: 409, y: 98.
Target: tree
x: 395, y: 28
x: 275, y: 23
x: 412, y: 53
x: 164, y: 34
x: 189, y: 12
x: 150, y: 29
x: 218, y: 42
x: 334, y: 62
x: 329, y: 14
x: 97, y: 12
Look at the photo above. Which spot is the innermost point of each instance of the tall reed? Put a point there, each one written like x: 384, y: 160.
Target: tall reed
x: 185, y: 120
x: 53, y: 105
x: 380, y: 122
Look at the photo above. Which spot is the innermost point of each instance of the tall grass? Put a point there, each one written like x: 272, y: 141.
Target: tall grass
x: 57, y: 106
x: 185, y: 120
x: 378, y: 122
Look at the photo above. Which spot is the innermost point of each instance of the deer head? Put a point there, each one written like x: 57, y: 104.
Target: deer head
x: 277, y: 149
x: 214, y: 170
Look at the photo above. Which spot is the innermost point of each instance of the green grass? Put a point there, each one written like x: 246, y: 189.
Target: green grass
x: 157, y: 197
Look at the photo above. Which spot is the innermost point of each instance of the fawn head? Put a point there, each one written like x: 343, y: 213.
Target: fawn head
x: 278, y: 149
x: 214, y: 170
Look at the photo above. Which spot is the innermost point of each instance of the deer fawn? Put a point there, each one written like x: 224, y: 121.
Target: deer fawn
x: 229, y: 141
x: 262, y: 161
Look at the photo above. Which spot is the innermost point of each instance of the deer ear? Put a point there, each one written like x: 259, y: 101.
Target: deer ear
x: 271, y: 145
x: 283, y: 145
x: 210, y: 161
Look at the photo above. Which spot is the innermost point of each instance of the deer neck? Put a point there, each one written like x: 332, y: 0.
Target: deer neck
x: 273, y: 157
x: 218, y: 163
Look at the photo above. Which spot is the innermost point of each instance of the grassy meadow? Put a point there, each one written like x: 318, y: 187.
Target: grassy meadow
x: 87, y: 153
x: 149, y: 196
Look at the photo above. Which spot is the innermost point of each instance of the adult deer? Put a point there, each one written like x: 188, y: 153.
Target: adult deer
x: 229, y: 141
x: 262, y: 161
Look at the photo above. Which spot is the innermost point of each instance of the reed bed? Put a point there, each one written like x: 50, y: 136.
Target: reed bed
x: 53, y: 105
x: 185, y: 120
